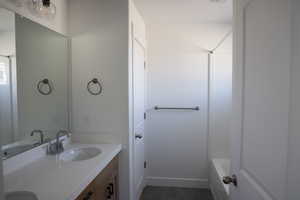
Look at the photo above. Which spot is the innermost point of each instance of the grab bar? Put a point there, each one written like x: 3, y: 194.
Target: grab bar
x: 176, y: 108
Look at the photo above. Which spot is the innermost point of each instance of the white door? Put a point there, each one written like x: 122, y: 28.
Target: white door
x: 260, y: 99
x: 139, y: 121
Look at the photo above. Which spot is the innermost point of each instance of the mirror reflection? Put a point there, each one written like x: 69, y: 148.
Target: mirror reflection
x: 33, y: 83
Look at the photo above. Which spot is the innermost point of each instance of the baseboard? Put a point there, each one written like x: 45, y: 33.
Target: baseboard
x: 140, y: 190
x: 177, y: 182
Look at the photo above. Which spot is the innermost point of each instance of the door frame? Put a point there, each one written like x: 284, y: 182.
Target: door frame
x: 135, y: 40
x: 237, y: 93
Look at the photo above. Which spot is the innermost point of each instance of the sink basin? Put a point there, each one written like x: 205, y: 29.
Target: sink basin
x: 80, y: 154
x: 20, y: 195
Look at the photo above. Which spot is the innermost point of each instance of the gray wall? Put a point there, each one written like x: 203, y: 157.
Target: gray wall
x: 6, y: 126
x: 294, y: 140
x: 41, y: 53
x: 7, y: 48
x: 99, y: 31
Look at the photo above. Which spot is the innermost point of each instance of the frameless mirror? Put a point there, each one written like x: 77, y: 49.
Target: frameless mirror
x: 33, y: 83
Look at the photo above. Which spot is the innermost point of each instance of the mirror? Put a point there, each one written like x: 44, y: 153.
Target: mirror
x: 33, y: 83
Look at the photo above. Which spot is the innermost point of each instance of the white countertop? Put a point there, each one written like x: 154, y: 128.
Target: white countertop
x: 52, y: 179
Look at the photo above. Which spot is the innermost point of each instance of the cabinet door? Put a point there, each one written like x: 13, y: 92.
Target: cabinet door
x: 105, y: 184
x: 115, y: 181
x: 101, y: 190
x: 88, y: 194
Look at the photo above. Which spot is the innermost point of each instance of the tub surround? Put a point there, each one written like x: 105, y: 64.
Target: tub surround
x: 51, y: 178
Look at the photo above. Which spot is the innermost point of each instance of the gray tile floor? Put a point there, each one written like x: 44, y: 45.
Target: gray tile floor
x: 169, y: 193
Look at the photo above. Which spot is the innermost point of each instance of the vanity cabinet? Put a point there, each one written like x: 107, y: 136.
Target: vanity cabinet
x: 104, y: 186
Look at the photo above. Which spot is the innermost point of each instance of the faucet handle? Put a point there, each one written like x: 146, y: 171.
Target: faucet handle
x: 41, y: 133
x: 54, y: 148
x: 61, y: 146
x: 65, y: 132
x: 36, y: 131
x: 49, y: 148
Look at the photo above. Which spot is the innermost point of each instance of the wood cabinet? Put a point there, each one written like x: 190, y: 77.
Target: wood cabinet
x: 104, y: 186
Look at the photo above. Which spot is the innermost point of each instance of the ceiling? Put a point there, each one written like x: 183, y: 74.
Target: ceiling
x: 185, y: 11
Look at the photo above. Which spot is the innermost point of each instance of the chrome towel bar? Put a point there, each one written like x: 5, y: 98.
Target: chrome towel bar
x: 176, y: 108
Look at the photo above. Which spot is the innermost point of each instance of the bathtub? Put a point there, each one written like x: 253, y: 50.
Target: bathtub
x: 219, y: 168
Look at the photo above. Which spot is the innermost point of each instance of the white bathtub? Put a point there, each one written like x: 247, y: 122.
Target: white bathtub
x: 219, y: 168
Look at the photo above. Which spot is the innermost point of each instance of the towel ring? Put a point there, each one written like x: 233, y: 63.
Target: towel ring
x: 94, y: 81
x: 41, y: 84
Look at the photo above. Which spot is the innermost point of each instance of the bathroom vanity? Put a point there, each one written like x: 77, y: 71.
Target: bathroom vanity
x: 75, y: 174
x: 40, y: 161
x: 104, y: 186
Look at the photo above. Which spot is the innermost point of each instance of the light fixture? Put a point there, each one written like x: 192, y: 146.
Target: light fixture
x: 44, y: 8
x: 218, y: 1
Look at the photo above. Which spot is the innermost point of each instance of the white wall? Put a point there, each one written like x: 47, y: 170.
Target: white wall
x: 294, y: 137
x: 220, y: 101
x: 177, y: 76
x: 177, y: 142
x: 100, y: 33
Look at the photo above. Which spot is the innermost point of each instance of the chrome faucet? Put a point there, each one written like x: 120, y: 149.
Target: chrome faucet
x: 58, y: 146
x: 41, y: 135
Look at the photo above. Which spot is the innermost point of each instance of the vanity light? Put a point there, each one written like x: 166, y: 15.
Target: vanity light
x: 218, y: 1
x: 44, y: 8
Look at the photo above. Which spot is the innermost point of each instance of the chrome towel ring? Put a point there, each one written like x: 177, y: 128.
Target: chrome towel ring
x: 96, y: 82
x: 44, y: 87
